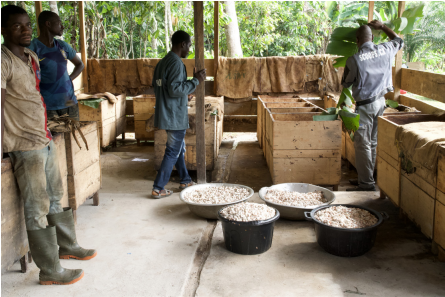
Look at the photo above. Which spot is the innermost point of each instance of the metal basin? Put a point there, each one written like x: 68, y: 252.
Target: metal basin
x: 294, y: 212
x: 210, y: 211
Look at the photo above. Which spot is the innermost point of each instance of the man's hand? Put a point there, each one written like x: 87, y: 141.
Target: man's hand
x: 377, y: 25
x: 200, y: 75
x: 190, y: 97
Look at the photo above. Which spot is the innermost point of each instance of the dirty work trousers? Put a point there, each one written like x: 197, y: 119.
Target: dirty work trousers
x: 174, y: 156
x: 365, y: 141
x: 38, y: 176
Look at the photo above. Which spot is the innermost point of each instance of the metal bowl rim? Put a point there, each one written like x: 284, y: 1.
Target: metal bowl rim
x: 214, y: 185
x: 298, y: 207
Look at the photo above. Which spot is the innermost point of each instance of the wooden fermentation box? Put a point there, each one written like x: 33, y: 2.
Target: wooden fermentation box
x: 143, y: 109
x: 300, y: 150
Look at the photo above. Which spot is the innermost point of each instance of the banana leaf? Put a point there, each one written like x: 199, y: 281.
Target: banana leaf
x: 344, y: 33
x: 351, y: 120
x: 416, y: 12
x: 340, y: 62
x: 325, y: 117
x: 341, y: 48
x: 392, y: 103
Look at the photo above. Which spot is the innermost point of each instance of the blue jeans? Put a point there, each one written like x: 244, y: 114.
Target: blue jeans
x: 40, y: 183
x: 174, y: 156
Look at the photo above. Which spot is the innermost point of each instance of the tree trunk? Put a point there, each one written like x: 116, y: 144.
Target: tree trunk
x: 124, y: 44
x: 169, y: 20
x: 167, y: 8
x: 73, y: 21
x: 154, y: 42
x: 53, y: 6
x: 232, y: 32
x: 22, y: 4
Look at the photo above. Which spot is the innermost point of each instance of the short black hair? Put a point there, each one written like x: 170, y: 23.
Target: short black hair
x: 45, y: 16
x: 8, y: 11
x: 179, y: 37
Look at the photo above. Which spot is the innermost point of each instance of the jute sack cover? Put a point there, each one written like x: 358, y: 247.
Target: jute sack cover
x: 235, y: 77
x: 287, y: 74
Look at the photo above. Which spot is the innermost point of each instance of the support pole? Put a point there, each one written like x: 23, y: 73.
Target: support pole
x: 200, y: 92
x: 370, y: 11
x: 39, y: 8
x: 83, y: 45
x: 398, y: 67
x: 215, y: 41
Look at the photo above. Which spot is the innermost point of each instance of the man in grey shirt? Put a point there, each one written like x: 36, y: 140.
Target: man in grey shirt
x: 370, y: 73
x: 171, y: 114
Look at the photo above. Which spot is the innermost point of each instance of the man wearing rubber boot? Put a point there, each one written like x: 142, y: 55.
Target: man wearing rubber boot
x: 370, y: 73
x: 33, y: 154
x: 171, y: 114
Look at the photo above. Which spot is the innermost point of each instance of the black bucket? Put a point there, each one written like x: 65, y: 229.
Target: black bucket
x: 248, y: 238
x: 346, y: 242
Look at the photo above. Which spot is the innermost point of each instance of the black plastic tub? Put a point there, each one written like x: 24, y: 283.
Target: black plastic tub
x: 346, y: 242
x: 248, y: 238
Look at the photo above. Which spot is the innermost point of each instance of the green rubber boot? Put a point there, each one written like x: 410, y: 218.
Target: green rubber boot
x: 43, y: 246
x: 66, y: 236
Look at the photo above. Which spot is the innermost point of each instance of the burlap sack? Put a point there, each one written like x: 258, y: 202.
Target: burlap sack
x: 146, y: 69
x: 420, y: 142
x: 313, y: 68
x: 287, y: 74
x: 235, y: 77
x: 262, y: 78
x: 96, y: 77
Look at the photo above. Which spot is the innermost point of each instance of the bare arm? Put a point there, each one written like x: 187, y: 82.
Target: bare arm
x: 78, y: 67
x: 378, y: 25
x: 3, y: 116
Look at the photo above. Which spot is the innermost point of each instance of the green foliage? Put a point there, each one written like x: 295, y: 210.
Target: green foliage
x: 392, y: 103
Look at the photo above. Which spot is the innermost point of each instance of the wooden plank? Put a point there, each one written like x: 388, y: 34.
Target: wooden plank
x: 370, y: 11
x: 198, y: 10
x: 289, y: 105
x: 105, y: 111
x: 423, y: 106
x: 120, y: 106
x: 84, y: 185
x: 294, y: 110
x: 350, y: 150
x: 418, y: 206
x: 121, y: 125
x: 108, y: 132
x: 388, y: 159
x: 209, y: 64
x: 78, y: 159
x: 83, y: 45
x: 398, y: 60
x: 427, y: 84
x: 143, y: 107
x: 59, y: 142
x: 386, y: 137
x: 141, y: 133
x: 39, y: 9
x: 215, y: 42
x: 190, y: 139
x: 439, y: 224
x: 14, y: 238
x: 441, y: 171
x: 388, y: 180
x: 306, y: 153
x: 440, y: 196
x: 343, y: 144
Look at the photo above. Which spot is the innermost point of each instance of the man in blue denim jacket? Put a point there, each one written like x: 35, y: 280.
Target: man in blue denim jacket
x: 171, y: 114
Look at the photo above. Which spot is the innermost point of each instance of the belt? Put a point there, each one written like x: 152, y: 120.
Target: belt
x: 367, y: 101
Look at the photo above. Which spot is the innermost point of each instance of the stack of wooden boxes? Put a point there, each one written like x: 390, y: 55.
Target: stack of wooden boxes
x: 213, y: 138
x: 110, y: 118
x: 419, y: 194
x: 298, y: 149
x: 143, y: 109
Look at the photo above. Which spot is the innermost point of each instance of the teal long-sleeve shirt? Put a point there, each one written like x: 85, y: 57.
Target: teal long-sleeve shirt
x: 172, y: 89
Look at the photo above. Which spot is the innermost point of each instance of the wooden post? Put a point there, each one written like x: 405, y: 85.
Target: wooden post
x: 83, y: 45
x: 215, y: 41
x: 398, y: 67
x: 370, y: 11
x: 39, y: 8
x: 200, y: 92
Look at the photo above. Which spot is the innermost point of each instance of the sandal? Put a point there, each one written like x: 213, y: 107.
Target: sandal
x: 160, y: 193
x: 185, y: 186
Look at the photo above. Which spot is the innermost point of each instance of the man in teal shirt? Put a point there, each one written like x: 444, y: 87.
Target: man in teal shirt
x: 171, y: 114
x: 56, y: 85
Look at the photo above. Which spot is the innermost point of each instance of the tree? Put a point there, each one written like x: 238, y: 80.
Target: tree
x: 232, y: 31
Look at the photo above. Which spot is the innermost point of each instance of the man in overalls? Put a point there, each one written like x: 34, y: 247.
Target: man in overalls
x: 370, y: 73
x: 56, y: 85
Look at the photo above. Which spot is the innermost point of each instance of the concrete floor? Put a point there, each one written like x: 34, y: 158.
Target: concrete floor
x: 150, y: 247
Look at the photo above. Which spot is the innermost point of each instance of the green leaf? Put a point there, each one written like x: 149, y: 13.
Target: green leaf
x: 340, y: 62
x: 345, y: 98
x: 104, y: 10
x: 352, y: 136
x: 325, y: 117
x: 382, y: 14
x: 416, y: 11
x: 400, y: 24
x: 344, y: 33
x: 351, y: 120
x: 392, y: 103
x: 410, y: 26
x: 341, y: 48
